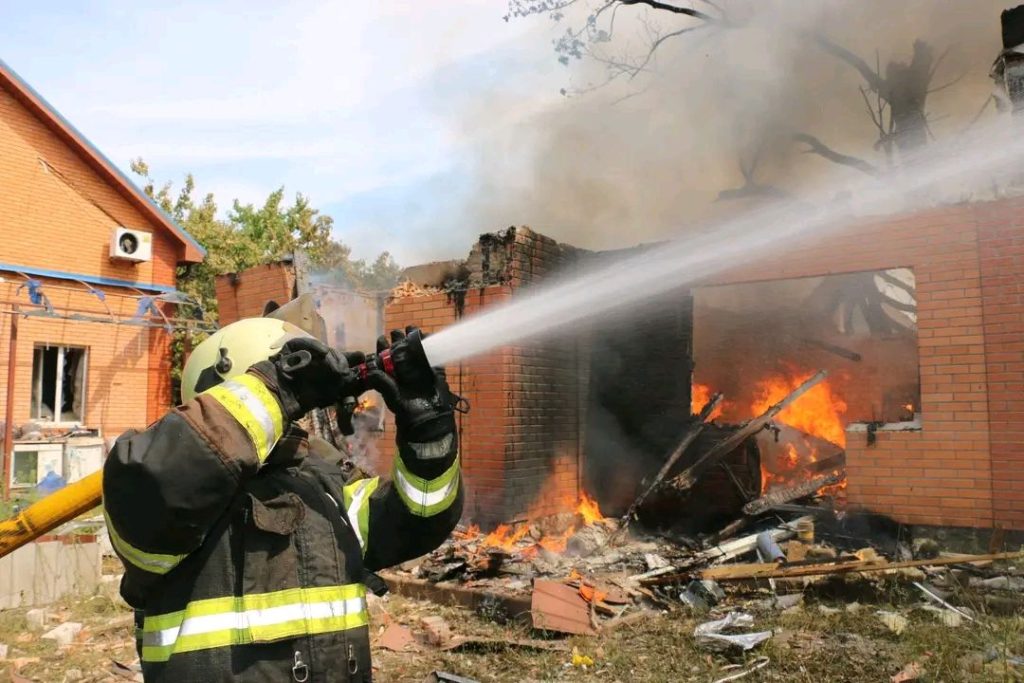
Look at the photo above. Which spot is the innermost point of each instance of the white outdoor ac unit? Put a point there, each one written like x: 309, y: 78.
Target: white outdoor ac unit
x: 131, y: 245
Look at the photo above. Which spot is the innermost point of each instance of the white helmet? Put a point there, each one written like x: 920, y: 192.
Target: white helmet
x: 231, y: 350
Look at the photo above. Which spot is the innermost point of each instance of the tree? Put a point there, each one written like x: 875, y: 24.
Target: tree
x: 251, y: 235
x: 900, y: 91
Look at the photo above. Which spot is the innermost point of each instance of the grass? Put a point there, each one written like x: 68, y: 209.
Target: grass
x: 809, y: 646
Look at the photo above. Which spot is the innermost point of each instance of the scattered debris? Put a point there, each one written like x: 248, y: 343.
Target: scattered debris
x: 711, y: 634
x: 64, y: 634
x: 36, y: 619
x: 702, y: 595
x: 911, y: 672
x: 897, y: 623
x: 558, y: 607
x: 396, y: 638
x: 444, y: 677
x: 932, y: 595
x: 581, y: 660
x: 759, y: 663
x: 436, y: 630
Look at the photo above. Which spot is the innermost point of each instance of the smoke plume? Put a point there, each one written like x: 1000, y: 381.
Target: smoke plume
x: 641, y: 157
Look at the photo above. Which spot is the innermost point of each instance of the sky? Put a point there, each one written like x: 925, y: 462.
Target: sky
x: 367, y: 108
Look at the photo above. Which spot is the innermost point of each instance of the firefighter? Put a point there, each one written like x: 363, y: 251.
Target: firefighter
x: 248, y: 550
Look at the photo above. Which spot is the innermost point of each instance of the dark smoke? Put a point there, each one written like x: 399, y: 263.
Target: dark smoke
x: 641, y: 158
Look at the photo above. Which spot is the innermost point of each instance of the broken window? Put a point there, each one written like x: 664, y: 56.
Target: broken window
x: 58, y: 384
x: 755, y: 342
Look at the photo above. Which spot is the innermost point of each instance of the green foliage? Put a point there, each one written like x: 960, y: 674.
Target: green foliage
x: 251, y: 235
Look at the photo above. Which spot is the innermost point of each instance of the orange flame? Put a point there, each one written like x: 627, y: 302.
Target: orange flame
x: 700, y: 394
x: 819, y: 412
x: 508, y: 538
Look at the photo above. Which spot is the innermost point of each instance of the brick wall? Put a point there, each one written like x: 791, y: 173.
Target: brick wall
x: 1001, y: 253
x: 522, y: 435
x: 949, y: 472
x: 59, y: 214
x: 482, y: 381
x: 243, y: 295
x: 124, y: 385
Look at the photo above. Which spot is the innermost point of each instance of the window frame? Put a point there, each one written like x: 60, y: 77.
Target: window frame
x: 35, y: 407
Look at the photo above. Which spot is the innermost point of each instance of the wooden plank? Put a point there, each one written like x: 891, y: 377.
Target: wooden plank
x: 737, y: 572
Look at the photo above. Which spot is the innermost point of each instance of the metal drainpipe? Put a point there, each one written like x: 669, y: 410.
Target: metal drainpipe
x: 12, y: 356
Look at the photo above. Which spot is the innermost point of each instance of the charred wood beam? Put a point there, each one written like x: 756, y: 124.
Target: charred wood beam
x: 689, y: 437
x: 791, y: 493
x: 686, y: 479
x: 833, y: 462
x: 833, y: 349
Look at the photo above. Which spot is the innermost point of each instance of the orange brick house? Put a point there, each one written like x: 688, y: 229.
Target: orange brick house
x: 88, y: 262
x: 553, y: 417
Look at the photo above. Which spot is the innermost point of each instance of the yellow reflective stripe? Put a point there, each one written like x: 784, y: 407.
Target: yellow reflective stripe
x: 253, y: 406
x: 423, y: 497
x: 356, y: 497
x: 239, y: 620
x: 154, y: 563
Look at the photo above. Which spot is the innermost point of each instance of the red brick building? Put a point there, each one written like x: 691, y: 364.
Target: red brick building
x: 536, y: 434
x: 91, y: 347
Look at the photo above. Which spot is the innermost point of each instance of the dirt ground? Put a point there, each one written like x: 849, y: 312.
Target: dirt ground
x: 820, y: 641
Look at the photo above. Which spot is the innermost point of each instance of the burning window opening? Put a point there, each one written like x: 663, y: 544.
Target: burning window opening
x: 756, y: 342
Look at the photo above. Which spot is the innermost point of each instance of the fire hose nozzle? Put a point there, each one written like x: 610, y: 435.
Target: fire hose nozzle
x: 405, y: 358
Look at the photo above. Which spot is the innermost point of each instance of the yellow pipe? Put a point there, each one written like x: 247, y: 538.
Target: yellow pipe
x: 49, y: 513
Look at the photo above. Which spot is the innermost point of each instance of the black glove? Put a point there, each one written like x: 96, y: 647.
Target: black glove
x: 311, y: 375
x: 418, y: 395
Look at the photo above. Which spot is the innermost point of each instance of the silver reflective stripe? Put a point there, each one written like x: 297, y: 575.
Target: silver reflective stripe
x: 258, y: 411
x: 270, y: 616
x: 424, y: 498
x: 432, y: 450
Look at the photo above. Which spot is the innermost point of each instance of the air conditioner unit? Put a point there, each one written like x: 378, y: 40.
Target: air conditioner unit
x: 131, y: 245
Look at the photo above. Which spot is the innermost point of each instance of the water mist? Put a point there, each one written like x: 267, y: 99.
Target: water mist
x: 955, y: 170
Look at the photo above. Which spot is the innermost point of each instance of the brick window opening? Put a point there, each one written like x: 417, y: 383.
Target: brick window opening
x: 58, y: 384
x: 757, y: 342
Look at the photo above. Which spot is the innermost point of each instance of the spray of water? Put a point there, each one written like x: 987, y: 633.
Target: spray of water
x: 957, y: 170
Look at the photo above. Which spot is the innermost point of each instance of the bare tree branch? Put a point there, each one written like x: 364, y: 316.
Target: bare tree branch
x: 946, y: 85
x: 873, y: 78
x: 818, y: 147
x: 688, y: 11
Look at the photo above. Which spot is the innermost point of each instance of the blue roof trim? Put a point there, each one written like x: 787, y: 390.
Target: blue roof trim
x: 95, y: 150
x: 91, y: 279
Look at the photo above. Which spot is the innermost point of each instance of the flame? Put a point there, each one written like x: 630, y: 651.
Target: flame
x: 700, y: 394
x: 365, y: 404
x: 591, y: 594
x: 509, y: 537
x: 819, y: 412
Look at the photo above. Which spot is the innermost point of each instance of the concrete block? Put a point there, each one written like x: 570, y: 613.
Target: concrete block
x: 36, y: 619
x: 64, y: 634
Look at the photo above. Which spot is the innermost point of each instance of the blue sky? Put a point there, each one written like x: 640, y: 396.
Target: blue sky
x: 378, y: 111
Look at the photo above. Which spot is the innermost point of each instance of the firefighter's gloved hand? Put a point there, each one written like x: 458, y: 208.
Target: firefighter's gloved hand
x: 311, y: 375
x: 419, y: 397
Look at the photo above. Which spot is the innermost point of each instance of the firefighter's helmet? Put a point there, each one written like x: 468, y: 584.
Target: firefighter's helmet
x: 231, y: 350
